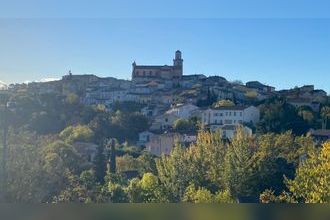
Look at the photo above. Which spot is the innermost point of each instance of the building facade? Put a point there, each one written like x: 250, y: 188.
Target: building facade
x: 230, y: 115
x: 164, y: 72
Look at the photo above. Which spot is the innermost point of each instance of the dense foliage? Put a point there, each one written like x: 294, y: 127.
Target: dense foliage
x: 46, y: 162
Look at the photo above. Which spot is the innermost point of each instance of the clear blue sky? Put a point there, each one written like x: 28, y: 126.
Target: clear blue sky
x: 283, y: 43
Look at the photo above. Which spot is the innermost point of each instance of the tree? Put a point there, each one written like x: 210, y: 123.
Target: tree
x: 240, y: 174
x: 72, y: 99
x: 278, y: 116
x: 146, y: 190
x: 110, y: 146
x: 80, y: 189
x: 60, y: 161
x: 80, y: 133
x: 325, y: 114
x: 147, y: 163
x: 307, y: 116
x: 202, y: 164
x: 223, y: 103
x: 184, y: 126
x: 173, y: 173
x: 117, y: 193
x: 201, y: 195
x: 312, y: 181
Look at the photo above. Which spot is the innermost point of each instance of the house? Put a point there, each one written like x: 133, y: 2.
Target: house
x: 163, y: 122
x: 104, y: 95
x: 183, y: 111
x: 320, y: 135
x: 151, y: 111
x: 318, y: 93
x: 144, y: 137
x: 165, y: 98
x: 230, y: 115
x: 306, y: 88
x: 163, y: 143
x: 146, y: 88
x: 229, y: 131
x: 139, y: 98
x: 188, y: 139
x: 259, y: 86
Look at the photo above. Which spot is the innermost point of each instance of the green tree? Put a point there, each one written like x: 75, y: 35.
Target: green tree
x: 147, y: 190
x: 184, y: 126
x: 278, y: 116
x: 72, y: 99
x: 79, y: 133
x: 325, y: 114
x: 200, y: 195
x: 240, y: 173
x: 312, y: 181
x: 173, y: 173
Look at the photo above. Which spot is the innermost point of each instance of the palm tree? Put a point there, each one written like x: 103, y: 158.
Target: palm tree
x: 325, y: 114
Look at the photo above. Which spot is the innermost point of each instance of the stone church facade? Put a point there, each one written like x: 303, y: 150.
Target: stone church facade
x: 165, y: 72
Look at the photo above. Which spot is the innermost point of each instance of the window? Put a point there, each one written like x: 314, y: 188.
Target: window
x: 241, y: 113
x: 228, y: 122
x: 215, y: 121
x: 234, y: 113
x: 221, y: 114
x: 229, y: 113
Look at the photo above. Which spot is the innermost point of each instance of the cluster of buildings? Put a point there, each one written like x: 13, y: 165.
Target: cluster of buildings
x: 168, y: 95
x: 160, y: 138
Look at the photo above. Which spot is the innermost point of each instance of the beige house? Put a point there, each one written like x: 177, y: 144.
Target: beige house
x: 229, y: 131
x: 164, y: 121
x: 162, y: 144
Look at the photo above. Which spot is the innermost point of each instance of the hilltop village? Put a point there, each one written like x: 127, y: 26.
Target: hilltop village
x: 171, y: 100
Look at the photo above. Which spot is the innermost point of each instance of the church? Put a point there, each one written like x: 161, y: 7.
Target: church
x: 165, y: 72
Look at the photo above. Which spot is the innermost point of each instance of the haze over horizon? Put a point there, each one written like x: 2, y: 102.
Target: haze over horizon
x: 282, y: 44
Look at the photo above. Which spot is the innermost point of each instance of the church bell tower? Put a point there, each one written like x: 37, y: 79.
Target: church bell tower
x: 178, y: 62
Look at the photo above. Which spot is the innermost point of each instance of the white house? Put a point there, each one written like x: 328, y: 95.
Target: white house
x: 183, y: 111
x: 230, y: 115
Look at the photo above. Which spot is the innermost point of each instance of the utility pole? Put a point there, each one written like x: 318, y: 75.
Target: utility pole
x: 4, y: 154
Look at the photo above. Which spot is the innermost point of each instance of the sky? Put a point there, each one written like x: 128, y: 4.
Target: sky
x: 284, y: 43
